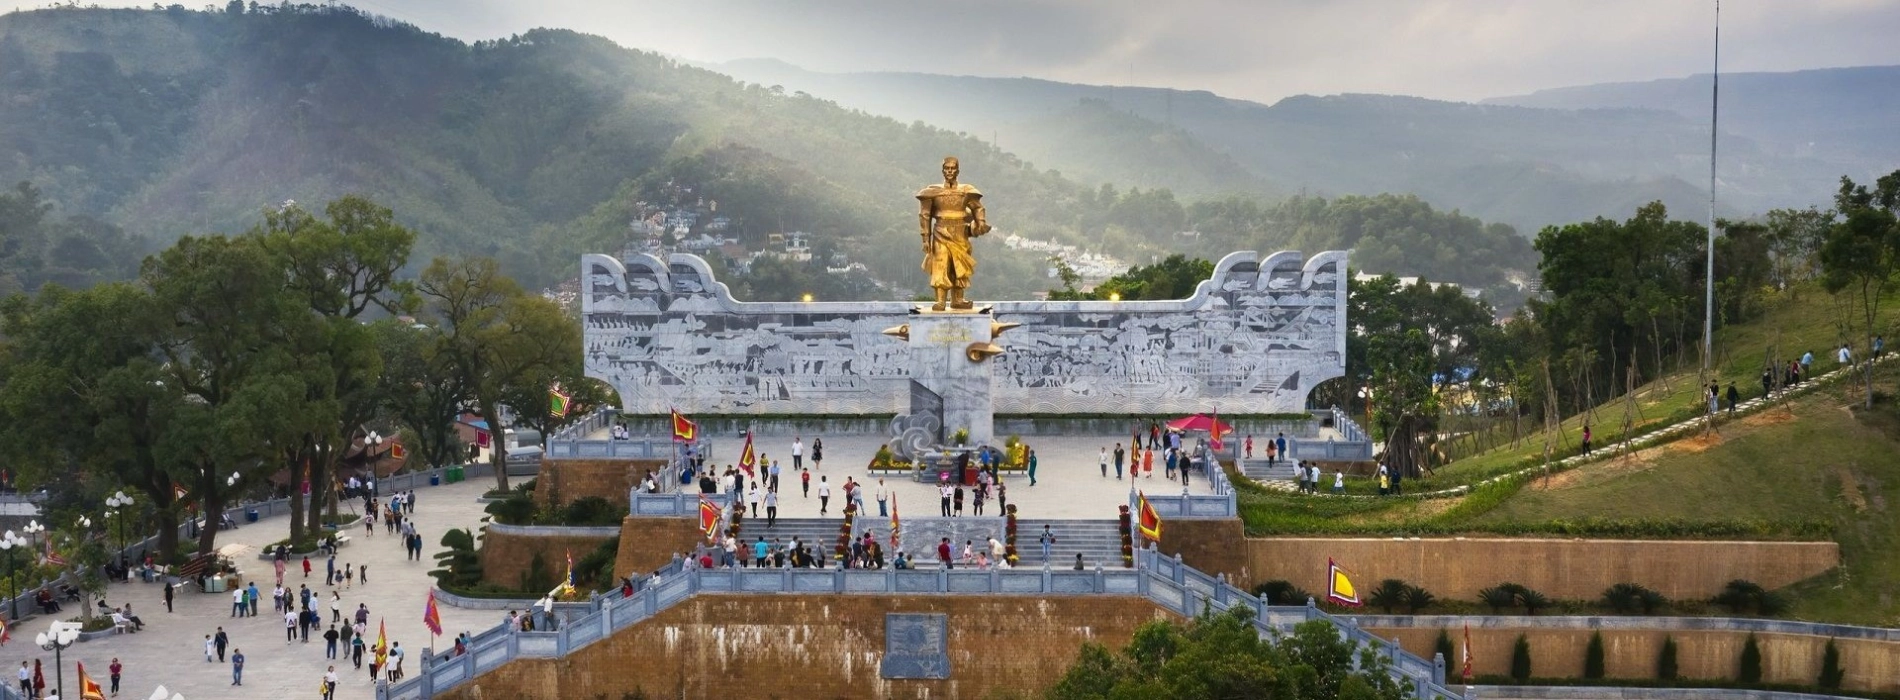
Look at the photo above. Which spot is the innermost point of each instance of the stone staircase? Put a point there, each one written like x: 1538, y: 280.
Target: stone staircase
x: 820, y: 532
x: 1098, y: 541
x: 1278, y: 475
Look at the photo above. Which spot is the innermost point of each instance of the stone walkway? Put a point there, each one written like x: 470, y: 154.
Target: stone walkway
x: 1069, y: 483
x: 171, y: 649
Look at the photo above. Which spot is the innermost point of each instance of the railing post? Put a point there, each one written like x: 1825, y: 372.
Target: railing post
x: 1180, y: 572
x: 1101, y: 579
x: 1438, y: 668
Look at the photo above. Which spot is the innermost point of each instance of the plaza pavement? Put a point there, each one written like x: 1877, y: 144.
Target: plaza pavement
x: 1069, y: 484
x: 171, y: 649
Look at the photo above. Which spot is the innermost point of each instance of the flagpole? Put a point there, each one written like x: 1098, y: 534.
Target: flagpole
x: 1708, y: 299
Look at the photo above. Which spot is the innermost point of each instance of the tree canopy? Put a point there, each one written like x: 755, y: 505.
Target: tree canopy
x: 1222, y: 655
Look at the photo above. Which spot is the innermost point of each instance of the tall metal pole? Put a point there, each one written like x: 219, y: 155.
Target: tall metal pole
x: 1708, y: 301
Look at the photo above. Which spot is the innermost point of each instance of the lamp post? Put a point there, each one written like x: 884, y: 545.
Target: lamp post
x: 56, y: 638
x: 33, y: 529
x: 370, y: 443
x: 8, y: 543
x: 118, y: 502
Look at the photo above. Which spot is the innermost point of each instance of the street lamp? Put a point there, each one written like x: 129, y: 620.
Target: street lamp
x: 33, y: 529
x: 8, y: 543
x: 118, y: 502
x: 56, y: 638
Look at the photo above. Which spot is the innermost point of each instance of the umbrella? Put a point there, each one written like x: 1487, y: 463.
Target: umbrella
x: 1200, y: 423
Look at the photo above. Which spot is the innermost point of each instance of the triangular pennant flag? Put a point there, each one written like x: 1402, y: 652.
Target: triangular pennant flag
x: 431, y: 617
x: 708, y: 516
x: 1339, y: 588
x: 1467, y: 653
x: 683, y: 430
x: 88, y: 688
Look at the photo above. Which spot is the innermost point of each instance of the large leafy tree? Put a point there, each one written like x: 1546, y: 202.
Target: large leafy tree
x: 1411, y: 343
x: 1862, y: 253
x: 497, y: 340
x: 420, y: 390
x: 1221, y: 655
x: 341, y: 267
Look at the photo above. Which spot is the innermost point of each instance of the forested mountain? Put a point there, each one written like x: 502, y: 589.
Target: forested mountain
x: 1528, y: 167
x: 539, y: 147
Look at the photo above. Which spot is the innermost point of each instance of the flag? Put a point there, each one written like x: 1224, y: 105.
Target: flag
x: 1339, y: 588
x: 1215, y: 443
x: 894, y: 528
x: 431, y: 617
x: 88, y: 688
x: 683, y: 430
x: 570, y: 571
x: 708, y: 516
x: 557, y: 402
x: 1467, y: 654
x: 397, y: 451
x: 5, y: 634
x: 382, y: 645
x: 1150, y: 520
x: 51, y: 556
x: 747, y: 460
x: 482, y: 439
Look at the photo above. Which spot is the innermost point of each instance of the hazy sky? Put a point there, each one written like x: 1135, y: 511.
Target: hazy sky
x: 1255, y: 49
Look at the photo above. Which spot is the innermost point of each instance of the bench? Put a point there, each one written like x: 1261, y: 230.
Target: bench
x: 122, y: 625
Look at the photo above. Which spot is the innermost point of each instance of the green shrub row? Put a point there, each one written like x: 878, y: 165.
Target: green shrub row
x: 1748, y: 671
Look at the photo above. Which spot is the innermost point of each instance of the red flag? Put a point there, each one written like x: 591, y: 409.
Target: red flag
x: 88, y: 688
x: 894, y: 528
x: 1216, y: 444
x: 396, y: 450
x: 683, y: 430
x: 708, y: 516
x: 5, y: 632
x: 1150, y: 520
x: 482, y: 439
x: 381, y: 648
x: 1467, y: 653
x: 748, y: 460
x: 431, y: 617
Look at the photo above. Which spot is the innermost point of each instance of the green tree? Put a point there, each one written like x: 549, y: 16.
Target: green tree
x: 1221, y: 655
x: 497, y: 340
x: 1521, y: 659
x: 1831, y: 671
x: 1666, y: 660
x: 420, y: 390
x: 1593, y: 657
x: 1862, y: 253
x: 1750, y: 671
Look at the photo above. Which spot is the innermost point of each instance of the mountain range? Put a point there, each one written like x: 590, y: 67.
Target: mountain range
x: 538, y: 147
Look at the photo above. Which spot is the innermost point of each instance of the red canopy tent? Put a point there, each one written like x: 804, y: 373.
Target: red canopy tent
x: 1201, y: 423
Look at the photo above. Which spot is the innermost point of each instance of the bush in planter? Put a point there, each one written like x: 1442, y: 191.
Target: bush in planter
x: 1521, y: 660
x: 1741, y: 596
x: 1442, y: 646
x: 1593, y: 657
x: 593, y: 511
x: 1666, y: 660
x: 960, y: 437
x: 1389, y: 594
x: 517, y: 509
x: 1281, y: 592
x: 1500, y: 597
x: 461, y: 563
x: 1750, y: 672
x: 1416, y: 599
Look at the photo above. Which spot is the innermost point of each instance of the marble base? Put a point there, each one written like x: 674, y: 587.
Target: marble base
x: 941, y: 365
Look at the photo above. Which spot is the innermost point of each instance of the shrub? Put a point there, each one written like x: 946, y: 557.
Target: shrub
x: 1831, y: 671
x: 1532, y: 601
x: 536, y: 577
x: 596, y: 569
x: 1593, y: 657
x: 1666, y: 660
x: 461, y: 563
x: 1443, y: 646
x: 517, y: 509
x: 1498, y: 598
x: 1417, y: 599
x: 1390, y: 594
x: 1624, y: 598
x: 1281, y: 592
x: 1751, y: 662
x: 1653, y: 602
x: 593, y: 510
x: 1771, y: 603
x: 1741, y: 597
x: 1521, y: 660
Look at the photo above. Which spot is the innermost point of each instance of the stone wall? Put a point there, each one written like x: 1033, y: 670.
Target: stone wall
x: 507, y: 551
x: 1457, y: 568
x: 647, y: 543
x: 822, y: 646
x: 1791, y: 659
x: 575, y: 479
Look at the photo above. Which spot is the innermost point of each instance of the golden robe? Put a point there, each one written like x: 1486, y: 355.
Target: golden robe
x: 950, y: 217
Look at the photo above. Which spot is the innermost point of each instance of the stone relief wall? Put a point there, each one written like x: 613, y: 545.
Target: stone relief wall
x: 1254, y: 338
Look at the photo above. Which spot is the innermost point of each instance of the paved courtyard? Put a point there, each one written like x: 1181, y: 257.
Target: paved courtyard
x: 1069, y: 482
x: 171, y: 649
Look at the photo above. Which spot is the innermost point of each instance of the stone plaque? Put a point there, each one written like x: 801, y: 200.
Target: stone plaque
x: 916, y: 646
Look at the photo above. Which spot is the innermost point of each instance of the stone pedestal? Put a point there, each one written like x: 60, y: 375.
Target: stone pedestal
x: 945, y: 380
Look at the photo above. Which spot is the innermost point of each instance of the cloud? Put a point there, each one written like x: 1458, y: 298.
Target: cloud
x: 1256, y: 49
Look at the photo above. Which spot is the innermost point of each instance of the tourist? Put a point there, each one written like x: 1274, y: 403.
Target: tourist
x: 882, y: 494
x: 1845, y: 356
x: 902, y: 563
x: 221, y: 640
x: 976, y: 497
x: 956, y: 501
x: 26, y: 678
x: 356, y: 650
x: 998, y: 553
x: 1339, y: 482
x: 1249, y: 446
x: 208, y: 649
x: 1048, y: 541
x: 1734, y: 397
x: 329, y: 680
x: 752, y: 498
x: 943, y: 553
x: 805, y: 476
x: 1030, y: 458
x: 237, y: 602
x: 1313, y: 478
x: 798, y: 453
x: 395, y: 661
x: 349, y: 575
x: 1279, y: 444
x: 362, y: 574
x: 1273, y: 455
x: 114, y: 670
x: 168, y: 597
x: 237, y: 667
x: 817, y: 453
x: 1102, y: 462
x: 1586, y: 439
x: 1880, y: 344
x: 1120, y: 454
x: 1148, y: 461
x: 1385, y: 482
x: 330, y: 638
x: 772, y: 477
x: 824, y: 496
x: 1078, y: 561
x: 771, y: 508
x: 969, y: 552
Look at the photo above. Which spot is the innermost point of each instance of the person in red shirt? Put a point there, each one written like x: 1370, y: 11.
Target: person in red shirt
x: 115, y: 668
x: 943, y: 553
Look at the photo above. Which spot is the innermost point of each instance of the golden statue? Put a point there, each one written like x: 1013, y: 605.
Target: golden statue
x: 948, y: 216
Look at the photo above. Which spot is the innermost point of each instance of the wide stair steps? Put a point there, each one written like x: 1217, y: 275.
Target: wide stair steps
x: 1098, y: 541
x: 822, y: 533
x: 1278, y: 475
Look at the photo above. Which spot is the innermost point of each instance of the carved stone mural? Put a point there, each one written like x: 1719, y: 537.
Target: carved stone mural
x: 1254, y: 338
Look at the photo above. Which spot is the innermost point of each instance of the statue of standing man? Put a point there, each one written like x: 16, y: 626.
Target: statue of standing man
x: 949, y: 215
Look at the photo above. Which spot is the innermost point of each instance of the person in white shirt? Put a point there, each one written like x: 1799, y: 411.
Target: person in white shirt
x: 824, y: 495
x: 1102, y: 462
x: 1339, y: 482
x: 798, y: 454
x: 1846, y: 356
x: 752, y: 498
x: 881, y: 496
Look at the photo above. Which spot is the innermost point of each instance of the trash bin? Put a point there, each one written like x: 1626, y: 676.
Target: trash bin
x: 435, y: 479
x: 250, y: 515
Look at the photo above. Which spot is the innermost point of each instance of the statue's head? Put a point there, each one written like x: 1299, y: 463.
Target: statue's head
x: 950, y: 169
